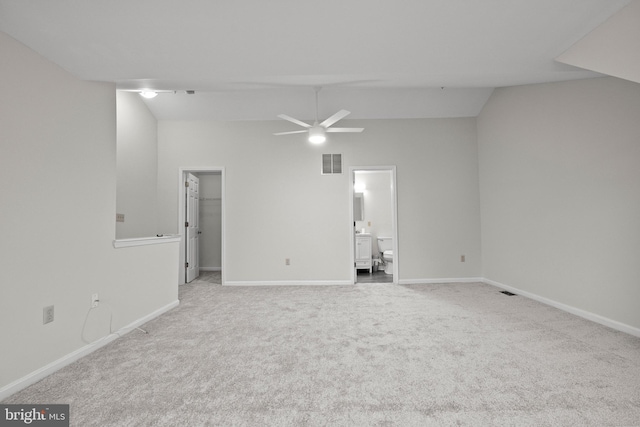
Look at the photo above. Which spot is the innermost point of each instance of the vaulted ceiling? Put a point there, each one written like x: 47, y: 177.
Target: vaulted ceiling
x: 252, y: 59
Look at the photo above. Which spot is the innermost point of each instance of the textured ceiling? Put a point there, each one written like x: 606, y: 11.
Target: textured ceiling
x: 255, y: 59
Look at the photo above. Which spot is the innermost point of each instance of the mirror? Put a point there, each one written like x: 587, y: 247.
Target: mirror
x: 358, y: 207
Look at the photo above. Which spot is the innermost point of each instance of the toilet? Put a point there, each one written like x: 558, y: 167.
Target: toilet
x: 385, y: 246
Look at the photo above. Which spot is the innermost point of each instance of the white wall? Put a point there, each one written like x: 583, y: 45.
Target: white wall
x: 58, y: 192
x: 279, y: 206
x: 612, y: 47
x: 559, y: 180
x: 137, y: 167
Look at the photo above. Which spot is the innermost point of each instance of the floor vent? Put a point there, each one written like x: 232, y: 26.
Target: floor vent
x: 507, y: 293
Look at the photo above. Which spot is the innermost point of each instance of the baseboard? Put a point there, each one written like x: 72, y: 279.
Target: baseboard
x: 68, y: 359
x: 345, y: 282
x: 613, y: 324
x: 442, y: 280
x: 210, y: 268
x: 288, y: 283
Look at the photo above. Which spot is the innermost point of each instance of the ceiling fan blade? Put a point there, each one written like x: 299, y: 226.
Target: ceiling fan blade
x: 292, y: 120
x: 345, y: 129
x: 337, y: 116
x: 289, y: 133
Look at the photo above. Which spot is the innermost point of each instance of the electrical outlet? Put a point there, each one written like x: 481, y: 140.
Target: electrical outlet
x: 462, y: 258
x: 94, y: 300
x: 369, y: 223
x: 287, y: 261
x: 47, y: 315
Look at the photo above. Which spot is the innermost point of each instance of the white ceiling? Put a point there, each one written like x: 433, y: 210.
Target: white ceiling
x: 253, y: 59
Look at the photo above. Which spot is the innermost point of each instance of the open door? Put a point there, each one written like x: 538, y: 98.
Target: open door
x: 192, y: 227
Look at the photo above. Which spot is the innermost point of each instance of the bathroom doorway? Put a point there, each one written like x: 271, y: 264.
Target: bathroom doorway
x: 373, y: 207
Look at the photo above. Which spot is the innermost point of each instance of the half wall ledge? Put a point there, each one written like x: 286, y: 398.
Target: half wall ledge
x: 142, y: 241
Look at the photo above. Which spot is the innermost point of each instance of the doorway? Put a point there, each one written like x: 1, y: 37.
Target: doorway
x: 373, y: 192
x: 201, y: 220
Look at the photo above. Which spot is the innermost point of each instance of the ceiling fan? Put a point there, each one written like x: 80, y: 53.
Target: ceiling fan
x: 317, y: 130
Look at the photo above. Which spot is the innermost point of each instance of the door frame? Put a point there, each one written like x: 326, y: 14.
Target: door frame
x: 182, y: 173
x: 394, y: 216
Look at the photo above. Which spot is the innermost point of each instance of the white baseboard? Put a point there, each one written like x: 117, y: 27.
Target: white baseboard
x: 345, y: 282
x: 56, y: 365
x: 210, y: 268
x: 288, y: 283
x: 613, y: 324
x: 443, y: 280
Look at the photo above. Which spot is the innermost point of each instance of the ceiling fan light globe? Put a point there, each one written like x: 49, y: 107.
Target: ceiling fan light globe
x: 317, y: 139
x: 316, y: 135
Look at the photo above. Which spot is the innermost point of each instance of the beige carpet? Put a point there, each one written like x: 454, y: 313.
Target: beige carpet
x: 381, y: 354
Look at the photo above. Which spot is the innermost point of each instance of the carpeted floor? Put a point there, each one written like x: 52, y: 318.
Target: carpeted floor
x: 364, y: 355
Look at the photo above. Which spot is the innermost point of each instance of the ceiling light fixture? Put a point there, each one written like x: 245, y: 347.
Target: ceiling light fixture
x: 146, y: 93
x: 317, y: 135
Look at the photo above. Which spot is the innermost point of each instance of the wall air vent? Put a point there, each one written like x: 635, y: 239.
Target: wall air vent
x: 331, y: 163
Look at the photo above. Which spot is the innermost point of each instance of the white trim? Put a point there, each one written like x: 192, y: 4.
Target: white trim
x: 441, y: 280
x: 142, y: 241
x: 613, y: 324
x: 56, y: 365
x: 181, y: 177
x: 289, y: 283
x: 210, y: 268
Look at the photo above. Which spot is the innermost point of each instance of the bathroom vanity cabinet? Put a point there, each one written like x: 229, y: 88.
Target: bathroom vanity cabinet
x: 363, y: 252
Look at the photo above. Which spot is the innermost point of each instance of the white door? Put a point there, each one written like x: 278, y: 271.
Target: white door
x: 192, y: 227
